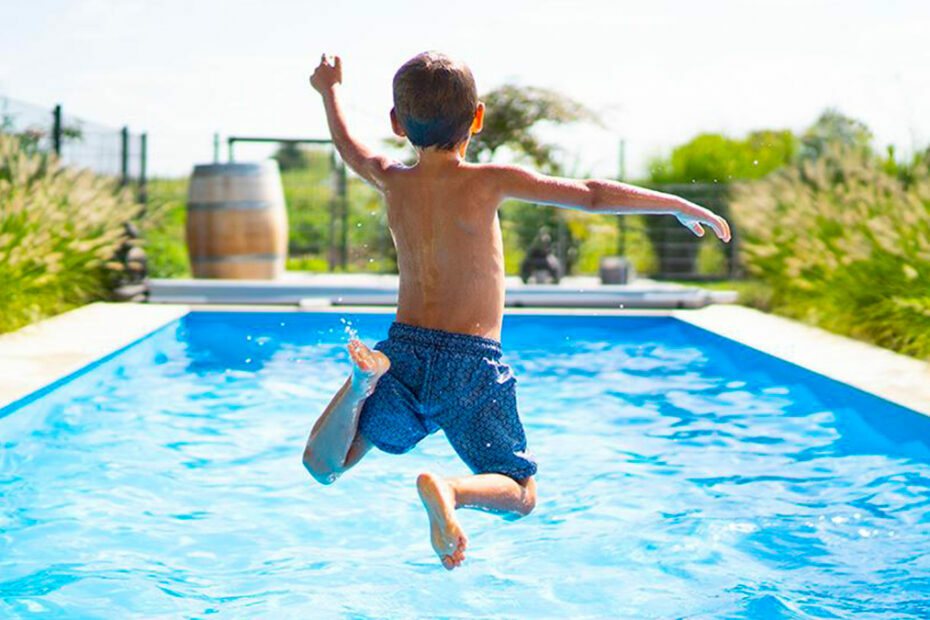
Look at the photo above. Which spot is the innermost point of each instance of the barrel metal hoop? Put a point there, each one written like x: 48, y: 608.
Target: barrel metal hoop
x: 203, y: 171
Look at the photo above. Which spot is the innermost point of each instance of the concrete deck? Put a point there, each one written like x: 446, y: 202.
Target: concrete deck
x: 303, y: 289
x: 894, y: 377
x: 48, y: 351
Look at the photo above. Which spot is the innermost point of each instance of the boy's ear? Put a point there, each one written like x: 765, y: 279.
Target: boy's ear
x: 478, y: 123
x: 395, y: 125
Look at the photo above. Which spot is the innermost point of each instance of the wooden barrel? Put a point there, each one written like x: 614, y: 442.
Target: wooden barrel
x: 236, y: 221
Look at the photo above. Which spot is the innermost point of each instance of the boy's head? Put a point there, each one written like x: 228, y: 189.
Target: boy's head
x: 435, y: 102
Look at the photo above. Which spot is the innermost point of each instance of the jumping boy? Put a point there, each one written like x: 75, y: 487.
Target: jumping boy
x: 440, y: 366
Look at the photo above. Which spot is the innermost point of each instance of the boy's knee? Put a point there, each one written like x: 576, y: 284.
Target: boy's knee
x: 529, y: 497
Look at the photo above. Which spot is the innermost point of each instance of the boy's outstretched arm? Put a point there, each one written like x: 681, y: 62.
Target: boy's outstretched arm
x: 599, y: 196
x: 368, y: 165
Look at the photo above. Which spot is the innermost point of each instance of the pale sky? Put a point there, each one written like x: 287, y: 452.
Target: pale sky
x: 660, y: 71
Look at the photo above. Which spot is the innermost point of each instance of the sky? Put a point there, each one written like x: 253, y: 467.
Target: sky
x: 659, y: 71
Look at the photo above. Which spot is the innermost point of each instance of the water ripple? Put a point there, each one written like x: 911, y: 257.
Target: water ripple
x: 681, y: 475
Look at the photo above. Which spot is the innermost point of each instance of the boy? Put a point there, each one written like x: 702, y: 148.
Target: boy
x: 440, y: 365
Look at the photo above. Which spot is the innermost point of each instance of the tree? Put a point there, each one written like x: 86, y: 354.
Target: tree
x: 714, y: 158
x: 834, y: 129
x: 290, y: 156
x: 511, y: 114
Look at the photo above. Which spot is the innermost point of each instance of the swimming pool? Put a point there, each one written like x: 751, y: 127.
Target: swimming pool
x: 681, y: 475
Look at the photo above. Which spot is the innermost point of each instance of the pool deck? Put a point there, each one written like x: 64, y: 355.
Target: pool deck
x: 47, y: 352
x: 40, y: 354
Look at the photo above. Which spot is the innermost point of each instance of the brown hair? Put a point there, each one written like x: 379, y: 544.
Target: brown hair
x: 435, y: 100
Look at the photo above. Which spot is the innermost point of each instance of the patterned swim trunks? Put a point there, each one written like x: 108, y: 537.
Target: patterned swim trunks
x: 454, y: 382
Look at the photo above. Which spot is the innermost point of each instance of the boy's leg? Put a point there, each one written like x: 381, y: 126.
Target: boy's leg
x: 334, y: 444
x: 492, y: 492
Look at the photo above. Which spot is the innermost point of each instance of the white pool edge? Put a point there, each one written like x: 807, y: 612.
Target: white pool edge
x: 894, y: 377
x: 41, y: 354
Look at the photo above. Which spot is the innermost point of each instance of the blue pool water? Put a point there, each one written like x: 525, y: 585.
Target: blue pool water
x: 680, y: 475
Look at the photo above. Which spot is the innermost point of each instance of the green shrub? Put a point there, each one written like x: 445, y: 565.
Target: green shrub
x: 59, y: 229
x: 307, y: 262
x: 162, y: 229
x: 844, y: 245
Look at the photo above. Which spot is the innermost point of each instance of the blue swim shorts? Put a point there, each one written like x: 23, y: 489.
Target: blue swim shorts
x: 454, y: 382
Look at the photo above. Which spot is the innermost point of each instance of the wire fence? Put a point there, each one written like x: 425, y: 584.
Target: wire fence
x: 112, y: 152
x: 337, y: 222
x: 678, y: 253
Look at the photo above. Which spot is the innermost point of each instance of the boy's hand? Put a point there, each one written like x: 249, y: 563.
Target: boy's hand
x: 692, y: 216
x: 327, y: 75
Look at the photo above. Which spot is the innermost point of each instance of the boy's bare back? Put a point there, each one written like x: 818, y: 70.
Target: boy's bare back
x: 443, y: 217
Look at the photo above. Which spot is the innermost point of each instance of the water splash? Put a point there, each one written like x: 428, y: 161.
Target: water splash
x: 351, y: 332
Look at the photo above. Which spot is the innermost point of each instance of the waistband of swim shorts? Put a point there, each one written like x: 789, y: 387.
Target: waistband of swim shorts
x: 447, y: 341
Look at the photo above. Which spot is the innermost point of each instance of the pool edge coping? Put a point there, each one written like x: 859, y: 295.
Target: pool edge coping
x: 42, y: 355
x: 891, y: 376
x: 55, y: 349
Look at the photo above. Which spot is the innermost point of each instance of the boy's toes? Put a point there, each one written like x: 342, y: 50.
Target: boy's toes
x: 366, y: 360
x: 448, y: 562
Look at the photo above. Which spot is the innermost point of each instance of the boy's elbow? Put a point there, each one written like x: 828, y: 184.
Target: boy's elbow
x: 595, y: 196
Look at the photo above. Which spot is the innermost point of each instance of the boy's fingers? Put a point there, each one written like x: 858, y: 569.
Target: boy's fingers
x: 696, y: 228
x: 323, y: 59
x: 338, y: 63
x: 723, y: 229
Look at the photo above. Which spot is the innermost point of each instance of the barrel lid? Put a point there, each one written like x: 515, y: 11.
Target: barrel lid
x: 245, y: 168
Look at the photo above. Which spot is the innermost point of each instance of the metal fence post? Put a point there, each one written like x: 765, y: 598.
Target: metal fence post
x: 143, y: 169
x: 216, y: 148
x: 621, y: 219
x: 344, y: 203
x: 56, y: 130
x: 331, y: 238
x: 124, y: 156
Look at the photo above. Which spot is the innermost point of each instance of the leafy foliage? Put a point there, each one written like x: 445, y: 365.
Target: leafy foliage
x: 290, y: 156
x: 511, y: 114
x: 59, y: 229
x: 714, y: 158
x: 162, y: 229
x: 843, y: 244
x: 832, y: 130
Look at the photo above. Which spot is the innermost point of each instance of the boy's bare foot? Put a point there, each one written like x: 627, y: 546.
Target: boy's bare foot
x: 446, y: 534
x: 369, y: 366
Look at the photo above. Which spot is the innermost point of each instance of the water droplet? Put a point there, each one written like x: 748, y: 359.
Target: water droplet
x: 350, y: 331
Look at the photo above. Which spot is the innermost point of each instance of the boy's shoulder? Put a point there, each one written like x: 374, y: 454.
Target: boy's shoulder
x: 492, y: 181
x: 484, y: 172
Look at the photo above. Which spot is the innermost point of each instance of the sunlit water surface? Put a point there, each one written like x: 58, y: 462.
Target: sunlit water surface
x: 680, y: 475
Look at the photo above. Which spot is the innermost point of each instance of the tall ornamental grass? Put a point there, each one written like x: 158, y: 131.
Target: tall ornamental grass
x: 59, y: 229
x: 844, y: 244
